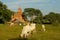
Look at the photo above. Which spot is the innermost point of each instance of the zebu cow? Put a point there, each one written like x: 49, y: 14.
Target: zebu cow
x: 43, y: 28
x: 25, y: 30
x: 28, y: 29
x: 11, y: 24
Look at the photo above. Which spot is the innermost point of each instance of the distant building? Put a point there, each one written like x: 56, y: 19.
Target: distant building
x: 17, y: 17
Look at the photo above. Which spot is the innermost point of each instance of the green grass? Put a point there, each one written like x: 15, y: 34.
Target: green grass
x: 12, y: 32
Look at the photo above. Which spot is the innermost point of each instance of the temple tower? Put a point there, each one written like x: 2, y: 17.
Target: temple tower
x: 17, y: 16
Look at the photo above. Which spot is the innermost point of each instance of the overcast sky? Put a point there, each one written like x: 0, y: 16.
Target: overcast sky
x: 45, y: 6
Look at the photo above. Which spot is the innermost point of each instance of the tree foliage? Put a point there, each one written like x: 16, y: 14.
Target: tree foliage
x: 52, y: 17
x: 5, y: 13
x: 29, y: 13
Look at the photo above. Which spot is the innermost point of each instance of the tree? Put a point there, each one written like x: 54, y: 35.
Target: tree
x: 58, y: 17
x: 5, y: 13
x: 52, y: 17
x: 32, y: 14
x: 39, y: 17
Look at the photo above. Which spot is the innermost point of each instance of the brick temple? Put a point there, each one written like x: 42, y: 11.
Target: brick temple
x: 17, y: 16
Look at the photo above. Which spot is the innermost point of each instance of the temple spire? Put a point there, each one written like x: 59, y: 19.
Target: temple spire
x: 17, y: 16
x: 19, y: 10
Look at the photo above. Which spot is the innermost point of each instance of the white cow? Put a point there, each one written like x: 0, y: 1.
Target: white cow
x: 32, y: 27
x: 11, y: 24
x: 43, y: 28
x: 25, y: 30
x: 28, y: 29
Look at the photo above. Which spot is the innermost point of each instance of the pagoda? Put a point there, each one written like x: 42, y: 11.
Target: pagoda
x: 17, y: 16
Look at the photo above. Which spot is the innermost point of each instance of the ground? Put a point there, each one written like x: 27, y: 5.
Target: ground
x: 12, y: 32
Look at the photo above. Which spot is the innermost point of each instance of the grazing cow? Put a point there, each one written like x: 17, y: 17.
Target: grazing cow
x: 43, y: 28
x: 27, y: 30
x: 11, y: 24
x: 32, y: 27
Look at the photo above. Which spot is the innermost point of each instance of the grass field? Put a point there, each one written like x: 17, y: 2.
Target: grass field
x: 12, y: 32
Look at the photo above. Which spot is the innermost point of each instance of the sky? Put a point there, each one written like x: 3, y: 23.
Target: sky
x: 45, y: 6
